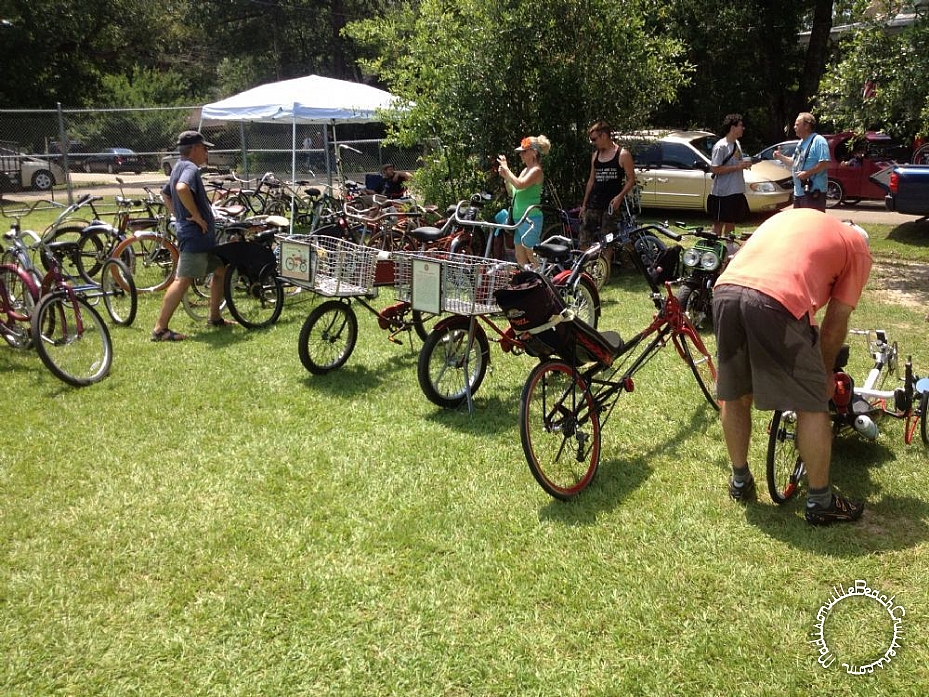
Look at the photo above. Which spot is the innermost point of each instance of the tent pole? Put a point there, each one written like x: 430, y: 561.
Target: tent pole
x: 293, y: 167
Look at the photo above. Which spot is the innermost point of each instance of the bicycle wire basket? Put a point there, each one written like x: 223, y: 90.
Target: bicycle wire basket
x: 466, y: 283
x: 328, y: 265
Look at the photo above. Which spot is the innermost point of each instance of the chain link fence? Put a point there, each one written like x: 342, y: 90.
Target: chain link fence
x: 40, y: 149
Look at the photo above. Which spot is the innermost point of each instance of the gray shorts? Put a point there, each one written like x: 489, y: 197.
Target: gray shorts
x: 764, y: 351
x: 197, y: 264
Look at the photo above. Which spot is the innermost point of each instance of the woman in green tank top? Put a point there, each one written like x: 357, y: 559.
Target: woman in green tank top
x: 526, y: 189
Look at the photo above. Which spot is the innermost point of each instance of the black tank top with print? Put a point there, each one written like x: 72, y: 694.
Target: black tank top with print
x: 609, y: 178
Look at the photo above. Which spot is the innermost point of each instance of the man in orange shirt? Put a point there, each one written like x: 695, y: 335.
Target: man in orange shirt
x: 771, y: 352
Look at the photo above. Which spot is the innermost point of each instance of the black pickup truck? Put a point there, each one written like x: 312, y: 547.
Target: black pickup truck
x: 907, y: 188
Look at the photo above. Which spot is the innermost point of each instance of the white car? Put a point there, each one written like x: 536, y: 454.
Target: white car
x: 28, y: 171
x: 673, y: 171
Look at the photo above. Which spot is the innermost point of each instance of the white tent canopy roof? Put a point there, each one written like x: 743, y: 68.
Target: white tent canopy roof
x: 312, y: 99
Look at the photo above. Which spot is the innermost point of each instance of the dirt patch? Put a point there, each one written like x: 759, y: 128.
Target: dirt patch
x: 901, y: 282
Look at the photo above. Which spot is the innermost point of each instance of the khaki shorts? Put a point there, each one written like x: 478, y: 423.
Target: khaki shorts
x: 766, y: 352
x: 197, y: 264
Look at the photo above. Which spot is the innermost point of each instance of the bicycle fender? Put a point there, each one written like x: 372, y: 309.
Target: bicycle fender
x: 562, y: 277
x: 460, y: 322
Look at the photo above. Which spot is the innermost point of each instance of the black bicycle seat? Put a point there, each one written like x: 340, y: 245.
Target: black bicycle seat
x: 428, y: 234
x: 552, y: 251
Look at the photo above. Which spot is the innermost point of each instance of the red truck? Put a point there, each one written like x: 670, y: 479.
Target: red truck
x: 855, y: 158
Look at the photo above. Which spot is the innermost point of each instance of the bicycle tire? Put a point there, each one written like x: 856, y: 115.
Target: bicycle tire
x: 72, y: 340
x: 328, y: 337
x: 583, y: 299
x: 696, y: 303
x: 923, y: 408
x: 441, y: 365
x: 783, y: 467
x: 599, y: 270
x: 119, y: 292
x: 921, y: 156
x: 18, y: 297
x: 559, y: 428
x: 196, y: 300
x: 151, y: 258
x: 700, y: 362
x: 391, y: 241
x: 254, y: 300
x: 649, y: 248
x: 421, y: 322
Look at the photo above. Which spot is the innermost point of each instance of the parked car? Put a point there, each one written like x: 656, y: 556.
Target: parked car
x: 76, y: 154
x: 18, y: 170
x: 219, y: 161
x: 673, y: 170
x: 787, y: 148
x: 113, y: 160
x: 855, y: 158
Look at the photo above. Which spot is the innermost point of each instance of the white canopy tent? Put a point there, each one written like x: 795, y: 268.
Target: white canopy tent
x: 304, y: 100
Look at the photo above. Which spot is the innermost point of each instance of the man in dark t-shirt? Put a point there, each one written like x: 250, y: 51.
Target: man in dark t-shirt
x: 185, y: 198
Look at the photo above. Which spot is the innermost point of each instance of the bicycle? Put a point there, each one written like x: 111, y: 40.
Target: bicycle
x: 571, y: 393
x: 150, y: 251
x: 116, y: 288
x: 348, y: 274
x: 454, y: 359
x: 852, y: 409
x: 68, y: 333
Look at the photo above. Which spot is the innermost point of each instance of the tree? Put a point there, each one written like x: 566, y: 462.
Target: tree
x: 483, y: 74
x: 881, y: 82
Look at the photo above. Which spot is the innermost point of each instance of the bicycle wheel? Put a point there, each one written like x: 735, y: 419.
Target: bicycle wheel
x: 70, y: 266
x: 391, y: 240
x: 700, y: 362
x: 697, y: 304
x: 91, y: 251
x: 328, y: 337
x: 921, y: 156
x: 18, y: 297
x: 441, y: 366
x: 649, y: 248
x: 196, y: 300
x: 255, y: 300
x: 559, y: 427
x: 583, y: 299
x: 72, y: 340
x: 599, y: 270
x: 152, y: 259
x: 119, y: 293
x: 784, y: 468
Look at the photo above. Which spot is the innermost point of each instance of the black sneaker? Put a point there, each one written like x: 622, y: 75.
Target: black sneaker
x: 839, y: 510
x: 744, y: 491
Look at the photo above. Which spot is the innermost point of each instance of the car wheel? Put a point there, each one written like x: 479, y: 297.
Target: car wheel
x: 166, y: 168
x: 42, y: 180
x: 87, y: 167
x: 110, y: 169
x: 835, y: 194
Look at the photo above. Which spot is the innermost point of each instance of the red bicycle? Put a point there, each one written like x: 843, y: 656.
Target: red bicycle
x: 570, y: 395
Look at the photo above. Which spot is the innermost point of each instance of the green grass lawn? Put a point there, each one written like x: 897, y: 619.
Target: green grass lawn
x: 213, y: 520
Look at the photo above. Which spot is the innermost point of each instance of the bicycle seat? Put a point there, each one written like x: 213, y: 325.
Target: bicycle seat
x: 552, y: 251
x: 428, y: 233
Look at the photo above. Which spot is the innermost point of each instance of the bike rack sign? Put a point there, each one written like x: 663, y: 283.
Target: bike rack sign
x: 427, y: 286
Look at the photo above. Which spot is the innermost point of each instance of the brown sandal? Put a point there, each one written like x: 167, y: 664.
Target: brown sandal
x: 167, y: 335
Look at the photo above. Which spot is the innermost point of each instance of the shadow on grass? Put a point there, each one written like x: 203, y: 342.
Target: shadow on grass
x: 889, y: 523
x: 617, y: 478
x: 914, y: 233
x: 357, y: 378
